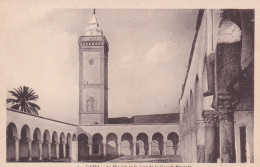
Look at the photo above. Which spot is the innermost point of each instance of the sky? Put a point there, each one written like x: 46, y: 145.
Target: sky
x: 148, y: 57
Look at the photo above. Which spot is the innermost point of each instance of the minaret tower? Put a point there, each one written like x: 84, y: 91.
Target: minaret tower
x: 93, y: 75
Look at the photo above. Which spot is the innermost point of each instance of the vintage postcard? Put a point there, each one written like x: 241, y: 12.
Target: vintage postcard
x: 118, y: 86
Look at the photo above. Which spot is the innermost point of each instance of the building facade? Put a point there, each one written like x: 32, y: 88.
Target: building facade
x: 36, y: 138
x: 217, y: 101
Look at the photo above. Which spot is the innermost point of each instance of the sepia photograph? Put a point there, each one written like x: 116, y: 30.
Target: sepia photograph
x: 96, y: 85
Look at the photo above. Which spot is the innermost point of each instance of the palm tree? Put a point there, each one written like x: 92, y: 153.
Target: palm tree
x: 23, y: 96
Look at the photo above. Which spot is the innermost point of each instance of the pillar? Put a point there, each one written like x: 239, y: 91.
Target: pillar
x: 165, y: 147
x: 90, y: 149
x: 210, y: 117
x: 29, y: 149
x: 228, y: 66
x: 200, y: 141
x: 134, y: 148
x: 16, y: 140
x: 49, y: 149
x: 40, y: 150
x: 70, y: 151
x: 104, y: 149
x: 57, y: 150
x: 150, y: 148
x: 64, y: 150
x: 74, y: 151
x: 226, y: 129
x: 119, y: 147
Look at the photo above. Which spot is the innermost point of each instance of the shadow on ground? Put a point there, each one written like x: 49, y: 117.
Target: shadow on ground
x: 150, y: 159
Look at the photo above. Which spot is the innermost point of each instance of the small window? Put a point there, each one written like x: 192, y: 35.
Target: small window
x: 96, y: 123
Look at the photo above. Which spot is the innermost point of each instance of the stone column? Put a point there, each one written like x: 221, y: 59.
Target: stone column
x: 57, y: 150
x: 134, y: 148
x: 200, y: 141
x: 210, y: 117
x: 70, y: 150
x: 165, y: 147
x: 226, y: 129
x: 150, y: 148
x: 29, y: 150
x: 64, y: 150
x: 90, y: 149
x: 40, y: 150
x: 49, y: 149
x: 119, y: 147
x: 16, y: 140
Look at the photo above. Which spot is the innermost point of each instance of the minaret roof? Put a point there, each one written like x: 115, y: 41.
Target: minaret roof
x: 93, y: 28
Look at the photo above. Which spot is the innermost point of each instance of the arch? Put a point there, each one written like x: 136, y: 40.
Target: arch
x: 174, y: 138
x: 45, y: 144
x: 112, y: 144
x: 54, y: 145
x: 142, y: 146
x: 97, y: 142
x: 11, y: 138
x: 157, y: 143
x: 36, y: 144
x: 26, y: 132
x: 62, y: 145
x: 127, y: 144
x: 68, y: 146
x: 74, y: 137
x: 24, y: 143
x: 83, y: 148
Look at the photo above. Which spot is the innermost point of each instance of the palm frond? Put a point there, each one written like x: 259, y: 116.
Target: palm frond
x: 16, y: 106
x: 34, y: 105
x: 11, y: 101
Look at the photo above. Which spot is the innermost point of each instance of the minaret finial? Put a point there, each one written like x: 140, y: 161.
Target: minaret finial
x: 94, y: 12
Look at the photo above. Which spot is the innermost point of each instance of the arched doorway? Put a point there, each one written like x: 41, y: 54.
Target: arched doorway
x: 45, y: 145
x: 68, y: 146
x: 127, y: 144
x: 112, y: 144
x: 142, y: 146
x: 25, y: 143
x: 11, y: 139
x: 83, y: 149
x: 36, y: 144
x: 54, y: 143
x: 157, y: 144
x: 173, y: 139
x: 97, y: 144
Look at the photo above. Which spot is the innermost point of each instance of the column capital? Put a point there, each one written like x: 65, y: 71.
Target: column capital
x: 227, y: 102
x: 210, y: 117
